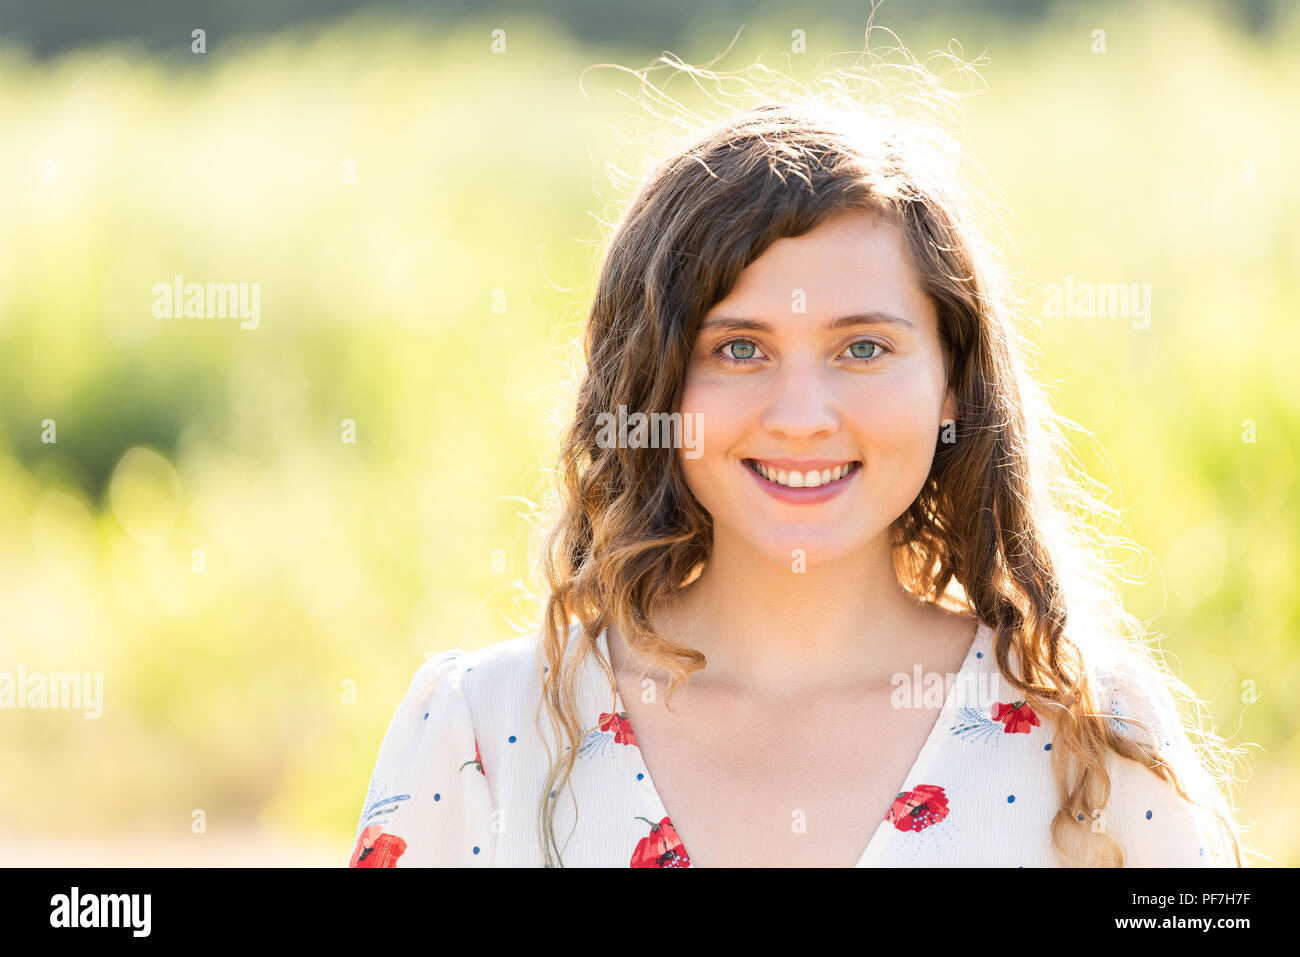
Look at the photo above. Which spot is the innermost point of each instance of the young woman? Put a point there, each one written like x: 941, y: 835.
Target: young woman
x: 902, y: 647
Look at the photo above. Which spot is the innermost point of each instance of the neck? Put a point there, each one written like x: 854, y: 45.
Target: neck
x: 772, y: 631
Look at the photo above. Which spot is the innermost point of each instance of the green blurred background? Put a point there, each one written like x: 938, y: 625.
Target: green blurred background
x: 423, y: 216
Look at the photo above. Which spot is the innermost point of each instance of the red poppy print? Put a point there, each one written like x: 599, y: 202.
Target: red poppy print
x: 1017, y: 717
x: 477, y: 761
x: 918, y: 808
x: 662, y: 848
x: 618, y: 723
x: 377, y: 849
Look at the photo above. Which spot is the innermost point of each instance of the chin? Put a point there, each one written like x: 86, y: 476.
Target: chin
x: 818, y: 546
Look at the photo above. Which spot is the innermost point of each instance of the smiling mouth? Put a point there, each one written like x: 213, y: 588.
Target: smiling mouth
x: 813, y: 478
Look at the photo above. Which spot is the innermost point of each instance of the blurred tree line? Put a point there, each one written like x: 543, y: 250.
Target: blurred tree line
x: 53, y: 26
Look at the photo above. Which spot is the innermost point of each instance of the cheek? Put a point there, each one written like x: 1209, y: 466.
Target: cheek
x: 893, y: 423
x: 724, y: 415
x: 722, y: 418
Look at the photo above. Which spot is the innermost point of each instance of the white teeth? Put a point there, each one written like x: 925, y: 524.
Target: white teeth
x: 810, y: 479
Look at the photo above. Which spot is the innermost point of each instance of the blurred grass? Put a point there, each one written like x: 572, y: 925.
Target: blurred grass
x: 329, y: 562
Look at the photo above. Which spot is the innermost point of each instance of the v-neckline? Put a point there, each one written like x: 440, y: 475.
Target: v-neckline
x: 877, y: 835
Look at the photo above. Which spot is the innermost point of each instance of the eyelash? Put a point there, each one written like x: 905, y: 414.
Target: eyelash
x: 720, y: 351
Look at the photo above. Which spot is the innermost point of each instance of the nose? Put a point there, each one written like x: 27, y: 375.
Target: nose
x: 800, y: 405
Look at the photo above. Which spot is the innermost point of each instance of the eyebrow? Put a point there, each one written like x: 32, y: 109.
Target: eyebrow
x: 736, y: 323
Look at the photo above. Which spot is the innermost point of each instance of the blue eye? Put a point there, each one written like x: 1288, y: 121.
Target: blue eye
x: 741, y: 349
x: 746, y: 352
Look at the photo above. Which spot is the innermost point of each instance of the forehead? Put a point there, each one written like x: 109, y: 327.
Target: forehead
x: 855, y: 262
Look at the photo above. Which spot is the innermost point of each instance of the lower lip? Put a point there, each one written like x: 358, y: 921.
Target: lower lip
x: 803, y: 496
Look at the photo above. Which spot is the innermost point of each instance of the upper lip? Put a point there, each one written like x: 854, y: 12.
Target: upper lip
x: 803, y: 465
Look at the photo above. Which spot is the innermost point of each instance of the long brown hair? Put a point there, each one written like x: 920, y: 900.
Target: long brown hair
x: 1006, y: 526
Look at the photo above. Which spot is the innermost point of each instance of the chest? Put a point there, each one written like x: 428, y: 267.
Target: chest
x: 800, y: 786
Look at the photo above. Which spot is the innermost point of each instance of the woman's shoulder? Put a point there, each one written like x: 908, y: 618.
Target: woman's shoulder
x: 508, y: 663
x: 497, y: 666
x: 509, y: 670
x: 457, y: 742
x: 1154, y: 822
x: 1132, y: 690
x: 499, y: 684
x: 1137, y: 695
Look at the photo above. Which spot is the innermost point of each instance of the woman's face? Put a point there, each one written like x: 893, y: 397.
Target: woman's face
x: 783, y: 377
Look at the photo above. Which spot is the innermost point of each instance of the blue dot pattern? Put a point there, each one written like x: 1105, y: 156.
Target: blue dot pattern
x: 1012, y: 754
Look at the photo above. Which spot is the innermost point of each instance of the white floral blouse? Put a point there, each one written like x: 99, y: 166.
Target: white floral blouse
x: 462, y: 765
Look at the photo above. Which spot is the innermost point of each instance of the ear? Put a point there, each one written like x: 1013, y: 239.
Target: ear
x: 949, y: 409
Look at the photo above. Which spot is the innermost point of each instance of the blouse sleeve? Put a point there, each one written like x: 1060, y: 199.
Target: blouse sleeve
x: 429, y: 803
x: 1155, y: 825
